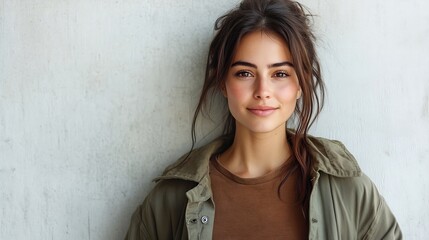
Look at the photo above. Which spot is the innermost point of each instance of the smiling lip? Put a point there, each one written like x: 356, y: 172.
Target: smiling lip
x: 262, y: 110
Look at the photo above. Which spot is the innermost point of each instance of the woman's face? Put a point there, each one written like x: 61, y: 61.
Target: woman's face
x: 261, y: 85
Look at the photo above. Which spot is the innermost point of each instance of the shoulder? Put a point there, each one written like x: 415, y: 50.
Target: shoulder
x: 357, y: 189
x: 333, y: 158
x: 356, y: 202
x: 341, y: 178
x: 339, y: 169
x: 193, y: 166
x: 169, y: 193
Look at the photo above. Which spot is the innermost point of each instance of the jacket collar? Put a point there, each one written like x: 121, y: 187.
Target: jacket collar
x: 330, y: 156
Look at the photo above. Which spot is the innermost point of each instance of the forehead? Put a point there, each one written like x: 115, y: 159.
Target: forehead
x: 262, y: 47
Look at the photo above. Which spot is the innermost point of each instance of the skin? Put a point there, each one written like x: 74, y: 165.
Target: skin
x: 262, y: 90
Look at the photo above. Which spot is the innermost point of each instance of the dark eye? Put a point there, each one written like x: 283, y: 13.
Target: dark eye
x: 243, y: 74
x: 281, y: 74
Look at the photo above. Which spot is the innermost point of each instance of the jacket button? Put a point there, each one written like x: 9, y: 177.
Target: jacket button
x: 204, y: 219
x: 313, y: 220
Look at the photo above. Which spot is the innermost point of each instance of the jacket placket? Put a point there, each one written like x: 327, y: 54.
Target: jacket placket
x: 313, y: 211
x: 200, y: 211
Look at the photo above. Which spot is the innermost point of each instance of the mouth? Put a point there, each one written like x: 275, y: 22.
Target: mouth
x: 262, y: 110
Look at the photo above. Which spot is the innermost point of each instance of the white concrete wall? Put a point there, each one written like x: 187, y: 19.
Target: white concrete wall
x: 96, y: 99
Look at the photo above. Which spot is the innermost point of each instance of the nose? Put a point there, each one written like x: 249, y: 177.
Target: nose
x: 262, y: 89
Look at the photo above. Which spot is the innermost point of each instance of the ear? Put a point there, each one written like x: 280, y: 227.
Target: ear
x: 298, y: 95
x: 223, y: 90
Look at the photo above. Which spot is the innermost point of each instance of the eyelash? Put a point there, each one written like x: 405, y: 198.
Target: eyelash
x: 241, y: 74
x: 284, y: 73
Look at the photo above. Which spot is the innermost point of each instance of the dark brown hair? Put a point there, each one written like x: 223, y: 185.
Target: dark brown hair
x: 291, y: 21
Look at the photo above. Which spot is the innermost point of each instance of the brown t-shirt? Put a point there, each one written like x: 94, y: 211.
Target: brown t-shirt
x: 250, y: 208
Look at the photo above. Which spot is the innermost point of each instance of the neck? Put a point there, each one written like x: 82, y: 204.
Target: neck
x: 255, y: 154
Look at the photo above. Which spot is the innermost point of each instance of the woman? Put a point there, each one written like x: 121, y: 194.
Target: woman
x: 260, y: 180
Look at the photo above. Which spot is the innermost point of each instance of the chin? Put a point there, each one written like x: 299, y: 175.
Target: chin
x: 266, y: 128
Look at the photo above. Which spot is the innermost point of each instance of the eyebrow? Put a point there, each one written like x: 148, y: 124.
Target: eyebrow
x: 248, y: 64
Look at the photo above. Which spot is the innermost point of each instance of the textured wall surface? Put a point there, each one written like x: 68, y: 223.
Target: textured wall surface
x: 96, y: 99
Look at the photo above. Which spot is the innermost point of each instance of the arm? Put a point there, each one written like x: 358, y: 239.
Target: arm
x: 162, y: 214
x: 384, y: 224
x: 376, y: 220
x: 142, y: 224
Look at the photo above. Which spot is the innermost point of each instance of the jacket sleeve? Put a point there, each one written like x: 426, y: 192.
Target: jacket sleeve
x: 381, y: 224
x: 162, y: 214
x: 384, y: 224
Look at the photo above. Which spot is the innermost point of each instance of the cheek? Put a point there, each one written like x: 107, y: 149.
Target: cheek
x: 236, y: 92
x: 288, y: 93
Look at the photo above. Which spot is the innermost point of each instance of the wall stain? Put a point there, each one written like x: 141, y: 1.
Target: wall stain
x: 7, y: 170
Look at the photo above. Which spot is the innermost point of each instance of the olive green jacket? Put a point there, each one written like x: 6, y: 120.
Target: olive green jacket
x: 344, y: 203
